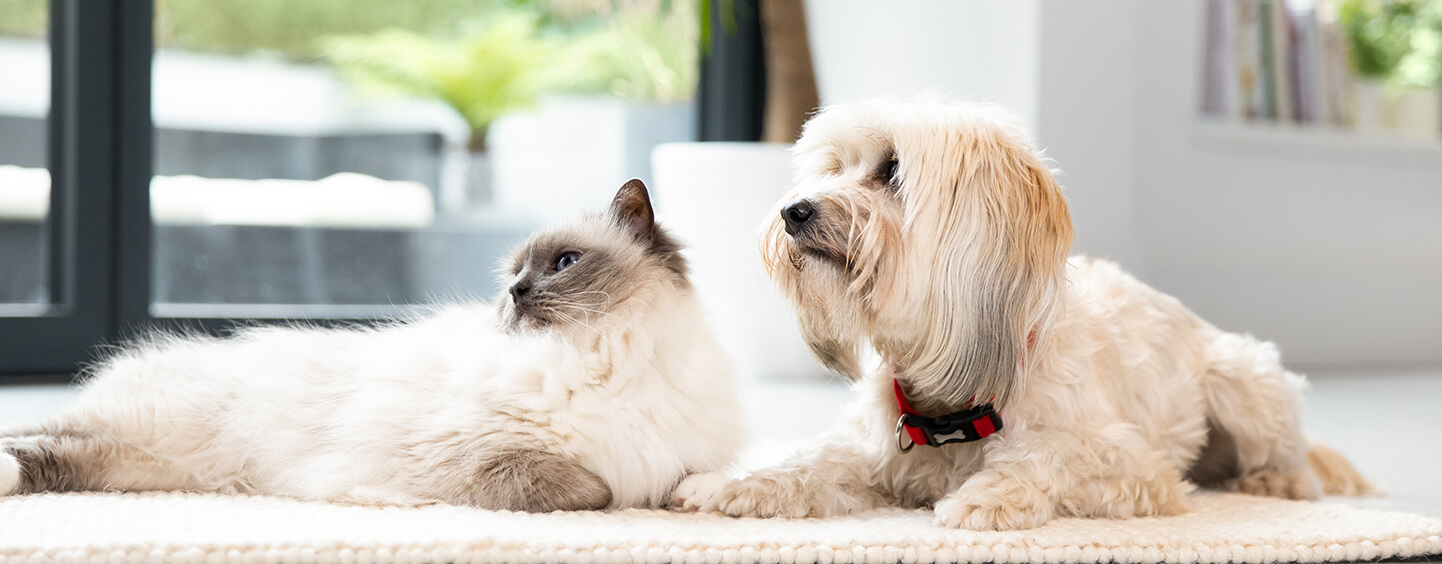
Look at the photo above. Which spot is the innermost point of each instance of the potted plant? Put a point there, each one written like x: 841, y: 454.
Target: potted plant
x: 1396, y: 51
x: 622, y: 82
x: 490, y: 68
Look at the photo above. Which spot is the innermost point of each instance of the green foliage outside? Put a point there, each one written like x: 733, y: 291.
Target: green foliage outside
x: 644, y: 51
x: 483, y: 74
x: 24, y: 18
x: 482, y: 57
x: 1398, y: 41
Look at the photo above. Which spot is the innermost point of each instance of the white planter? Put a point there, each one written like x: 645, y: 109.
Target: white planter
x: 573, y: 152
x: 1414, y: 112
x: 714, y: 197
x: 1369, y: 105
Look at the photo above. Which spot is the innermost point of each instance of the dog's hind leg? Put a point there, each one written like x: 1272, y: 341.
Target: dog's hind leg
x: 834, y: 479
x: 1255, y: 445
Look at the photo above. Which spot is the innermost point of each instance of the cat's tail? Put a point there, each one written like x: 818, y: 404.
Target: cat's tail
x: 1336, y: 474
x: 54, y: 461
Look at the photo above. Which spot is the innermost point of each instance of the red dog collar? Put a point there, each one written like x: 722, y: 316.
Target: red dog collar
x: 971, y: 424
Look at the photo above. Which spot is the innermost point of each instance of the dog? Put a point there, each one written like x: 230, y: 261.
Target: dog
x: 1015, y: 385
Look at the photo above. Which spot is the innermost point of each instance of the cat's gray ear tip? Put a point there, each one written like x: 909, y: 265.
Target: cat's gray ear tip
x: 633, y: 184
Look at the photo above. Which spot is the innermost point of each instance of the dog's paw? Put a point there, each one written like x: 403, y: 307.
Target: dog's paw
x: 993, y: 502
x: 761, y: 498
x: 1275, y: 483
x: 698, y: 491
x: 751, y: 497
x: 959, y: 514
x: 9, y: 473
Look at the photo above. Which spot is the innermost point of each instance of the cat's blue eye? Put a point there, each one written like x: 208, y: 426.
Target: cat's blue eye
x: 566, y: 259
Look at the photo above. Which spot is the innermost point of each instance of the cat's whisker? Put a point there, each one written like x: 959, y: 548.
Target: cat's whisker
x: 575, y: 321
x: 588, y: 310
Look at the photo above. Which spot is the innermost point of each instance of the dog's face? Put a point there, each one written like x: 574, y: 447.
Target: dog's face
x: 933, y: 230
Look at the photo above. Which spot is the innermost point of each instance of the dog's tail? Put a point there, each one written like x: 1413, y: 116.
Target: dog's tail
x: 1336, y: 474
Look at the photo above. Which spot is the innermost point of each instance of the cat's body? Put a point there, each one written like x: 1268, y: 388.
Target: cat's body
x: 609, y: 405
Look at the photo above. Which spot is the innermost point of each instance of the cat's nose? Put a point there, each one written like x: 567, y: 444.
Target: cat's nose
x: 520, y: 289
x: 797, y: 214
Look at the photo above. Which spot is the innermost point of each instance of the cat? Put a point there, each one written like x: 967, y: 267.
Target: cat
x: 592, y: 382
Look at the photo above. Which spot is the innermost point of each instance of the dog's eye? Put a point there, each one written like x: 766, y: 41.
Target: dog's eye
x: 886, y: 173
x: 566, y: 259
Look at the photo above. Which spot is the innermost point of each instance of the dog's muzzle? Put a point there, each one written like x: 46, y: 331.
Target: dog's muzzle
x: 796, y: 215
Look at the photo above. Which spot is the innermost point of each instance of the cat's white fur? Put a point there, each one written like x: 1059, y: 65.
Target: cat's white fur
x: 640, y: 398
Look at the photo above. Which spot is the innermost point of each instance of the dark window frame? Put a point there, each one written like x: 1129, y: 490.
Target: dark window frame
x: 98, y: 143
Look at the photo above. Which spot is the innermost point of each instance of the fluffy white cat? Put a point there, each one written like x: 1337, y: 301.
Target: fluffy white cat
x: 592, y: 383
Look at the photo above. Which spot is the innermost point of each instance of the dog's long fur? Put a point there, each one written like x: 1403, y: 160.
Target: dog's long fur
x: 940, y: 238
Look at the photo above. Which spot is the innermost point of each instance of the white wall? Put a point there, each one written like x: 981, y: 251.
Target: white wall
x: 985, y: 50
x: 1330, y: 245
x: 1088, y: 121
x: 1333, y: 249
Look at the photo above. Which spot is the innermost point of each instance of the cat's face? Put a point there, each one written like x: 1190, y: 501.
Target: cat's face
x: 587, y: 274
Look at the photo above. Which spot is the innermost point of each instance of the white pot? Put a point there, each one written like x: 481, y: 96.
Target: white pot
x: 571, y: 154
x: 1369, y: 105
x: 1414, y: 112
x: 714, y: 197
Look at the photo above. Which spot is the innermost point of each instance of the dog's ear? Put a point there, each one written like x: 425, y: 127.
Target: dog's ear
x: 1000, y: 280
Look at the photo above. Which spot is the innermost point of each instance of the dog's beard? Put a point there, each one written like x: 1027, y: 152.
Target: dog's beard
x: 813, y: 271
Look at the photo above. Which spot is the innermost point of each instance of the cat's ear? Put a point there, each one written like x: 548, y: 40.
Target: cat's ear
x: 631, y: 209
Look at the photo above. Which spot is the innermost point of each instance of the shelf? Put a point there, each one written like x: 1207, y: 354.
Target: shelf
x: 1318, y: 143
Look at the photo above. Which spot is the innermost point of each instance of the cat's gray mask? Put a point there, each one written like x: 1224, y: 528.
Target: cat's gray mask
x: 577, y: 275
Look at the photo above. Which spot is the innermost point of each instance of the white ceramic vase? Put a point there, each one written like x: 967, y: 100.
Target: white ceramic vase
x: 714, y: 197
x: 570, y: 154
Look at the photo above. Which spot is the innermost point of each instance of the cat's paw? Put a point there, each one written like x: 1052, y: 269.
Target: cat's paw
x: 698, y: 491
x: 9, y: 473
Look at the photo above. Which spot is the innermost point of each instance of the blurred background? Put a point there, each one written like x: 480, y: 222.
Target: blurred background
x: 1275, y: 164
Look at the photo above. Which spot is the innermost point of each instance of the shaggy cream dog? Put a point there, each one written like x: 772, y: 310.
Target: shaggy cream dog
x: 935, y: 233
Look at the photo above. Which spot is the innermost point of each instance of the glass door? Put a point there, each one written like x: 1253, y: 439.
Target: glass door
x: 202, y: 162
x: 24, y: 174
x: 356, y: 157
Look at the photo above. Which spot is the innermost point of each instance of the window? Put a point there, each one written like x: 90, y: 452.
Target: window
x: 204, y: 162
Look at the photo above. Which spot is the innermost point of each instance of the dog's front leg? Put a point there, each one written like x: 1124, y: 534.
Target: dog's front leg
x: 833, y: 479
x: 1030, y: 477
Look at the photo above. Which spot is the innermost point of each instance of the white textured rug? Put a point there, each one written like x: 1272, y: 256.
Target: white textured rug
x: 213, y: 529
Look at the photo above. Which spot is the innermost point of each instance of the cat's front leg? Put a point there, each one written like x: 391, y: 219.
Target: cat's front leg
x: 833, y: 480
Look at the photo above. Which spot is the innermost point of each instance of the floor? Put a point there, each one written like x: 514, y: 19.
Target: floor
x: 1387, y: 421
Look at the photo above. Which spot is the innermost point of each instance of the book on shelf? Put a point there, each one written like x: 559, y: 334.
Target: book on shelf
x: 1273, y: 61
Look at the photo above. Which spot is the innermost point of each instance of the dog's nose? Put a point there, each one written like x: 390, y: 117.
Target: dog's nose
x: 796, y: 214
x: 519, y: 289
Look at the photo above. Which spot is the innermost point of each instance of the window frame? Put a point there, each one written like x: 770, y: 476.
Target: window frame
x: 97, y: 151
